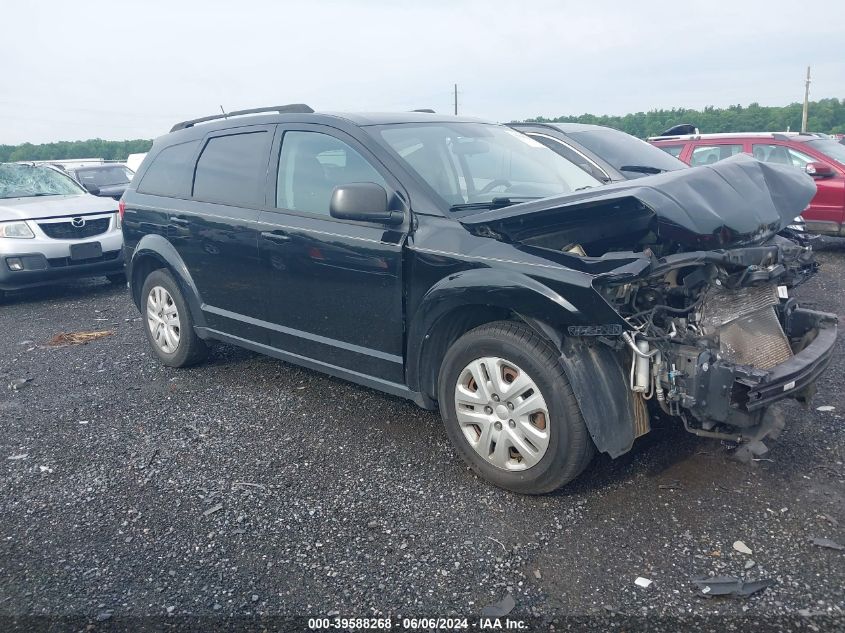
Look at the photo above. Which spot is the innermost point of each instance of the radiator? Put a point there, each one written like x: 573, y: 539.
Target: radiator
x: 747, y: 325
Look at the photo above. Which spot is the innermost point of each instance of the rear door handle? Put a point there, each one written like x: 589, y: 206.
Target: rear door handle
x: 275, y: 236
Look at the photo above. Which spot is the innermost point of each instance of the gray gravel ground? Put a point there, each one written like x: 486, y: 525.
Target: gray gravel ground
x: 247, y: 487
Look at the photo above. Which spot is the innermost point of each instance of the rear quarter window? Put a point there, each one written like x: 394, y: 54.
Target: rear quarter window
x: 170, y: 172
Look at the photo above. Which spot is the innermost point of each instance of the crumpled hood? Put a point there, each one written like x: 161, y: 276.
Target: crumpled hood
x: 39, y: 207
x: 735, y: 202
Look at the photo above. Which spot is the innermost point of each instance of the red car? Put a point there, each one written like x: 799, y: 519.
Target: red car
x: 822, y: 158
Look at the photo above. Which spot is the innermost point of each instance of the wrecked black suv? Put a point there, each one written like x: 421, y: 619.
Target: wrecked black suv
x: 467, y: 267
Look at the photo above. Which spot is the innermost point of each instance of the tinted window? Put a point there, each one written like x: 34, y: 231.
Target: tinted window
x: 169, y: 173
x: 570, y: 154
x: 709, y: 154
x: 232, y: 169
x: 311, y: 165
x: 105, y: 176
x: 623, y: 150
x: 672, y: 150
x: 830, y: 148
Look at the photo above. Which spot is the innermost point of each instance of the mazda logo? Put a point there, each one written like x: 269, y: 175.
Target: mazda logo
x: 78, y: 222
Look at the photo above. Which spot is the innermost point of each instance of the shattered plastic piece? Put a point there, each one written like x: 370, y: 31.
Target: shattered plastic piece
x: 643, y: 582
x: 18, y: 456
x: 742, y: 547
x: 826, y: 542
x: 749, y: 564
x: 19, y: 383
x: 731, y: 586
x: 45, y: 469
x: 826, y: 407
x: 537, y: 574
x: 213, y: 509
x: 499, y: 609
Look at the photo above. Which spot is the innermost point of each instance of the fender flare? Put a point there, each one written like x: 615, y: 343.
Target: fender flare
x: 479, y: 287
x: 157, y: 247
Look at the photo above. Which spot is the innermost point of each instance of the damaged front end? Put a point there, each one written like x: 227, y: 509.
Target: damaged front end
x: 714, y: 339
x: 706, y: 329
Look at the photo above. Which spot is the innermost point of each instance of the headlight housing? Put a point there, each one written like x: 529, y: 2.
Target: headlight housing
x: 17, y: 229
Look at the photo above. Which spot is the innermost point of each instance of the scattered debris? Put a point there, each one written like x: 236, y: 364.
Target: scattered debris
x: 825, y: 408
x: 749, y: 564
x: 77, y: 338
x: 537, y: 574
x: 213, y: 509
x: 643, y: 582
x: 742, y: 548
x: 170, y: 610
x: 731, y: 586
x: 672, y: 485
x: 499, y: 609
x: 18, y: 456
x: 372, y: 525
x: 807, y: 613
x: 499, y: 542
x: 19, y: 383
x: 826, y: 542
x: 829, y: 519
x: 102, y: 616
x: 45, y: 469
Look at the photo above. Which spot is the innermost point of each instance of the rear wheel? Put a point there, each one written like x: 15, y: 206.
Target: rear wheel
x: 510, y: 411
x: 168, y: 323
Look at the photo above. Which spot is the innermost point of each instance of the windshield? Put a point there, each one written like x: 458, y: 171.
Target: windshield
x: 623, y: 150
x: 830, y: 148
x: 479, y: 163
x: 105, y: 176
x: 21, y: 180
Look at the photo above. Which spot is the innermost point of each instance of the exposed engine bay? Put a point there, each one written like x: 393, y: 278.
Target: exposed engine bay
x: 707, y: 330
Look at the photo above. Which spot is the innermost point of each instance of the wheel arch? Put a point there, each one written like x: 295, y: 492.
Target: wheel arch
x: 154, y: 252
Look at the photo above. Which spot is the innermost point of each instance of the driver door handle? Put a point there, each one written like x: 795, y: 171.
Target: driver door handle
x: 275, y: 236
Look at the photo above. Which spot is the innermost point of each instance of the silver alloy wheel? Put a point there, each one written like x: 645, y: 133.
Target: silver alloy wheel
x: 502, y: 413
x: 163, y: 319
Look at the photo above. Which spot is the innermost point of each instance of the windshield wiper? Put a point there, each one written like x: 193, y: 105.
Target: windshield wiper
x: 642, y: 169
x: 495, y: 203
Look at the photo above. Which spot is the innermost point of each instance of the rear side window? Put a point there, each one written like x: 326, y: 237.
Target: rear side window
x: 672, y: 150
x: 170, y: 172
x: 232, y: 169
x: 709, y: 154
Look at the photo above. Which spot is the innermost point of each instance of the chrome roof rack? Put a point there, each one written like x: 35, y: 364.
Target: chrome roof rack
x: 297, y: 108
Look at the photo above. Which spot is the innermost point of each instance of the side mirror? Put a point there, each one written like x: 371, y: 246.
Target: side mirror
x: 364, y: 202
x: 94, y: 190
x: 819, y: 170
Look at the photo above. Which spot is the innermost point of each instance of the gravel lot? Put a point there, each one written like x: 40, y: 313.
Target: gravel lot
x: 247, y: 486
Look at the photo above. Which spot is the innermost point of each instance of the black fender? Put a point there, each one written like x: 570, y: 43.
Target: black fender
x: 502, y: 291
x: 160, y: 249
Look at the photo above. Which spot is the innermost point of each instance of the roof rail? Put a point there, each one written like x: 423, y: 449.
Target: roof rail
x: 299, y: 108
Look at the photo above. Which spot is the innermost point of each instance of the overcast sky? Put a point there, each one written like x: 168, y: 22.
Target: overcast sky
x: 117, y: 70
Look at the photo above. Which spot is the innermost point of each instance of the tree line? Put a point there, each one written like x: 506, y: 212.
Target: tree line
x: 92, y: 148
x: 824, y: 115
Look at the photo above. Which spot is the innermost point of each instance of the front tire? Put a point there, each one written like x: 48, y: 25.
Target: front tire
x: 510, y: 410
x: 168, y: 323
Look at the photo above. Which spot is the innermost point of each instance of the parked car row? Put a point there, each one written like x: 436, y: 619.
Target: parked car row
x: 822, y: 158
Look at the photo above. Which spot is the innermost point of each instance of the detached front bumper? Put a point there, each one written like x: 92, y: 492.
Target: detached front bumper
x: 718, y: 392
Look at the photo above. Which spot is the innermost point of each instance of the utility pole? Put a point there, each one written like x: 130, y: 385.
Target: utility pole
x: 806, y: 101
x: 456, y: 99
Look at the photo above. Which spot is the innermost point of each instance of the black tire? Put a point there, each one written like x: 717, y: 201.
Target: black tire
x: 118, y: 279
x: 191, y: 349
x: 570, y: 448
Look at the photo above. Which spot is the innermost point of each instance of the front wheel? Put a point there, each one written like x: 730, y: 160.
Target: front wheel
x: 510, y: 411
x: 168, y: 323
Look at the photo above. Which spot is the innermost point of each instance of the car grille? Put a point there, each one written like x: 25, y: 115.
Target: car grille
x: 748, y: 327
x: 67, y: 231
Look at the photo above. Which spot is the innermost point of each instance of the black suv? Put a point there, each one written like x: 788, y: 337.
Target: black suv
x: 463, y: 265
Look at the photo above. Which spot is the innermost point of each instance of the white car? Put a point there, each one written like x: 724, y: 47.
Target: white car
x: 52, y: 229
